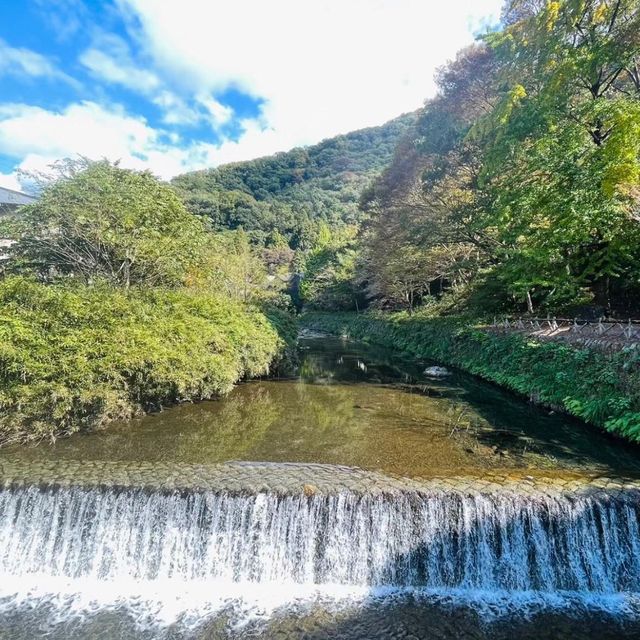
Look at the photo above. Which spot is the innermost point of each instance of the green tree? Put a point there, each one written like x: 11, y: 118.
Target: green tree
x: 329, y: 276
x: 423, y: 236
x: 524, y: 171
x: 293, y: 192
x: 563, y: 149
x: 101, y: 222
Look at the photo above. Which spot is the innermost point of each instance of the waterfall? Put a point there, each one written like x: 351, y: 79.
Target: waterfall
x: 442, y: 540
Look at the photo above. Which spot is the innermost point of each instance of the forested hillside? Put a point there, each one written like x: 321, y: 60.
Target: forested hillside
x: 288, y: 195
x: 519, y: 186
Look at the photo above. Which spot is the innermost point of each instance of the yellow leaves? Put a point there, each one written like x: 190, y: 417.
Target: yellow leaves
x: 551, y: 15
x: 518, y: 92
x: 622, y: 178
x: 600, y: 15
x: 512, y: 100
x: 622, y: 151
x: 541, y: 223
x: 502, y: 112
x: 551, y: 66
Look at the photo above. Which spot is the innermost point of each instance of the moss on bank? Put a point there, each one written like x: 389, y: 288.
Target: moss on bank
x: 76, y: 357
x: 602, y: 389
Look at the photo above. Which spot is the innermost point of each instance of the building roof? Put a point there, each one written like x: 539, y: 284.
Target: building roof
x: 11, y: 197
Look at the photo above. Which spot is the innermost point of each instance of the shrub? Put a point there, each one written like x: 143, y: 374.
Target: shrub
x: 74, y: 357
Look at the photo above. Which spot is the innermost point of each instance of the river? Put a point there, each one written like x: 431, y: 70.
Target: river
x: 359, y: 498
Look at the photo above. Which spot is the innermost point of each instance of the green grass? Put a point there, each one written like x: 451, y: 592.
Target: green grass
x: 599, y: 388
x: 75, y: 357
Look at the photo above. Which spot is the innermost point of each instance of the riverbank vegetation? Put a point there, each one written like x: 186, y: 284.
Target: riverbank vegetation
x: 600, y: 388
x: 515, y: 189
x: 116, y: 300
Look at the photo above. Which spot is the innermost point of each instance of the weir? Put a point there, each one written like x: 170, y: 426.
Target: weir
x: 434, y: 539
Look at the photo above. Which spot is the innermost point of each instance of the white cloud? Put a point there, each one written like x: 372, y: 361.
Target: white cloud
x: 19, y: 62
x: 176, y: 110
x: 118, y: 71
x: 219, y: 112
x: 205, y: 109
x: 10, y: 181
x: 109, y: 59
x: 84, y: 128
x: 323, y: 67
x: 38, y: 137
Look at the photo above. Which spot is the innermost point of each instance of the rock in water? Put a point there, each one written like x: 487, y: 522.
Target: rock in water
x: 437, y: 372
x: 309, y: 490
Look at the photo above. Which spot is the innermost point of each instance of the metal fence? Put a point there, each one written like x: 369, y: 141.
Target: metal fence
x: 606, y: 330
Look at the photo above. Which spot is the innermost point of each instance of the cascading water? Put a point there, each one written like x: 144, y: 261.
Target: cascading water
x: 503, y: 542
x: 169, y: 530
x: 71, y: 553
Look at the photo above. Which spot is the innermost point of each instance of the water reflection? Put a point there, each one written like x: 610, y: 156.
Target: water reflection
x: 353, y: 404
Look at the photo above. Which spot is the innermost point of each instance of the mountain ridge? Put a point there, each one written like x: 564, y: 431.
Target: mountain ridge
x: 290, y: 193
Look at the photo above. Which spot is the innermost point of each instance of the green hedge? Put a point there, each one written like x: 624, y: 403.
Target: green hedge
x: 75, y: 357
x: 602, y: 389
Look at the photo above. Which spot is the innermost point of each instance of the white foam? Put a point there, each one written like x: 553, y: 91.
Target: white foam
x: 175, y: 558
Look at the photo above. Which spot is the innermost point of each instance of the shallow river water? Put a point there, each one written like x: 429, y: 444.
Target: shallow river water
x: 357, y: 405
x: 307, y: 547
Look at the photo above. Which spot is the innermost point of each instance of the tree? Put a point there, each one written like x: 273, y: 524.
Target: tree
x: 423, y: 236
x: 329, y: 271
x: 99, y: 221
x: 563, y: 148
x: 525, y: 168
x: 293, y: 192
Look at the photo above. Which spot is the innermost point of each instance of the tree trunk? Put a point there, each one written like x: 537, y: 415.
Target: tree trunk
x: 127, y: 272
x: 529, y: 302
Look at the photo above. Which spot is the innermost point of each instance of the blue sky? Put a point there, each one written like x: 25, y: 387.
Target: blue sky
x: 177, y: 85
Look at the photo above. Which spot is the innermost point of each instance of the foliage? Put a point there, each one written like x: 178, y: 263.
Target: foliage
x: 292, y: 193
x: 420, y: 240
x: 99, y: 221
x: 526, y: 166
x: 74, y: 357
x: 329, y: 272
x: 562, y: 181
x: 229, y: 265
x: 122, y: 301
x: 601, y: 389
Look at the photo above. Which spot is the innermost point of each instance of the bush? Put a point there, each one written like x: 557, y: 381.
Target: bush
x: 74, y: 357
